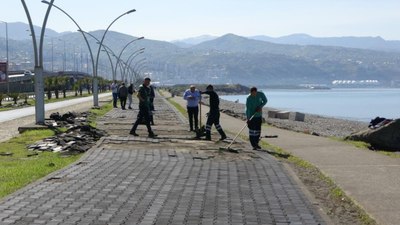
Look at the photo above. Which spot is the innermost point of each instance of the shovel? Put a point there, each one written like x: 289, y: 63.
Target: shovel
x: 228, y: 147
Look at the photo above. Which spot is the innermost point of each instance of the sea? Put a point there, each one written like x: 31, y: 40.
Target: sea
x: 359, y: 104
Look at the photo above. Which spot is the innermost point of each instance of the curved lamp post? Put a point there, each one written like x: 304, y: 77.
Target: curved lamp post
x: 105, y: 49
x: 123, y: 49
x: 8, y: 84
x: 39, y: 84
x: 84, y: 36
x: 135, y: 67
x: 130, y: 58
x: 95, y: 90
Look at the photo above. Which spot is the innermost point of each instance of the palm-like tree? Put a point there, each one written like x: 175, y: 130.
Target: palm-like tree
x: 48, y: 83
x: 56, y: 85
x: 64, y: 82
x: 87, y: 82
x: 14, y: 96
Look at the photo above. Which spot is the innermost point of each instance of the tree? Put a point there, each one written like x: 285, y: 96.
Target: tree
x: 75, y: 87
x: 25, y: 97
x: 86, y: 82
x: 14, y: 96
x: 64, y: 82
x: 48, y: 83
x: 56, y: 86
x: 2, y: 96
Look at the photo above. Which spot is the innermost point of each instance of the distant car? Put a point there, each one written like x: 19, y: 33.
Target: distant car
x: 27, y: 73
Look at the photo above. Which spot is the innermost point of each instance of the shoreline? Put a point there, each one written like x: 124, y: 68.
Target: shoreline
x: 313, y: 124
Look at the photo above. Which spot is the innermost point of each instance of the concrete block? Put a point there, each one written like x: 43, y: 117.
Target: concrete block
x: 299, y: 116
x: 283, y: 115
x: 272, y: 113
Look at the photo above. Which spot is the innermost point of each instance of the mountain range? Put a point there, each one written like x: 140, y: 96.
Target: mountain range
x: 372, y: 43
x: 258, y: 60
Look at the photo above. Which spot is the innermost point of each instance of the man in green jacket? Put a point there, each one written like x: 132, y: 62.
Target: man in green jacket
x: 254, y: 103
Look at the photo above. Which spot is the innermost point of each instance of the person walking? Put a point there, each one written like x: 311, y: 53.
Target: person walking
x: 144, y: 108
x: 114, y: 90
x: 213, y: 115
x: 193, y: 97
x: 131, y: 90
x: 254, y: 103
x: 122, y: 95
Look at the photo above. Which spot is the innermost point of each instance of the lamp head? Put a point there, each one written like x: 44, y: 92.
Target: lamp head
x: 131, y: 11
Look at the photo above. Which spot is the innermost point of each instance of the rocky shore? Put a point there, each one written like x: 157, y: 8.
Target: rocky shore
x: 312, y: 124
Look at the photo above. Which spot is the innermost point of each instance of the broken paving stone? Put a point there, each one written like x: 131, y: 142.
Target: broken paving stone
x: 6, y: 153
x: 32, y: 154
x: 57, y: 149
x: 79, y: 137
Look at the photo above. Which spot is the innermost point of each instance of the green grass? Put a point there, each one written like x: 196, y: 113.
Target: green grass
x: 366, y: 146
x: 6, y: 106
x: 178, y: 107
x: 99, y: 112
x: 18, y: 170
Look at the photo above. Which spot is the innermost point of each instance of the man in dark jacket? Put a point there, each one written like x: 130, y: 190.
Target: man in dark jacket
x: 144, y: 108
x: 123, y: 95
x: 213, y: 115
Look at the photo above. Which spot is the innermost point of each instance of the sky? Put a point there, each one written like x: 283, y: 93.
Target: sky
x: 169, y: 20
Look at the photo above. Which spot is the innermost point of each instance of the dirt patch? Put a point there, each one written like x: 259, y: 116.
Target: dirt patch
x: 202, y: 150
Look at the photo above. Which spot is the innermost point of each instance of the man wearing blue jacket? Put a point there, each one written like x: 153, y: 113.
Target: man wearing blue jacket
x: 193, y: 97
x: 254, y: 103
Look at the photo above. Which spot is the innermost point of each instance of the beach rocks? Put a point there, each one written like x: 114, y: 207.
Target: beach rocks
x: 386, y: 137
x: 78, y: 138
x: 304, y: 123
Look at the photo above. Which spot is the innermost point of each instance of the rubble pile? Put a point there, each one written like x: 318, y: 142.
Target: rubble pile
x: 78, y: 138
x: 383, y: 137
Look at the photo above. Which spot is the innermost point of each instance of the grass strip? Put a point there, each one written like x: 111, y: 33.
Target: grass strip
x: 181, y: 109
x: 23, y: 167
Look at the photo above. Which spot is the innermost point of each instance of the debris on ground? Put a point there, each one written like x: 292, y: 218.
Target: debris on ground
x: 78, y: 138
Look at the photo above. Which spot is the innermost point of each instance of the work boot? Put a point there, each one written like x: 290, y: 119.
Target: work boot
x: 223, y: 135
x: 208, y: 135
x: 152, y: 135
x: 133, y: 133
x: 256, y: 147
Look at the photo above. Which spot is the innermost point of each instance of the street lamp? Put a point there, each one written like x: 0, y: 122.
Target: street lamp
x: 94, y: 65
x: 131, y: 57
x: 104, y: 49
x: 95, y: 95
x: 39, y: 84
x: 123, y: 49
x: 95, y: 91
x: 8, y: 84
x: 135, y: 67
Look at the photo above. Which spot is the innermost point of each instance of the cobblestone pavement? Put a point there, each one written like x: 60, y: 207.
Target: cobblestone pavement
x: 173, y: 179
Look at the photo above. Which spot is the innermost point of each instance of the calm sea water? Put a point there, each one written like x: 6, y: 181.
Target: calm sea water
x: 354, y: 104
